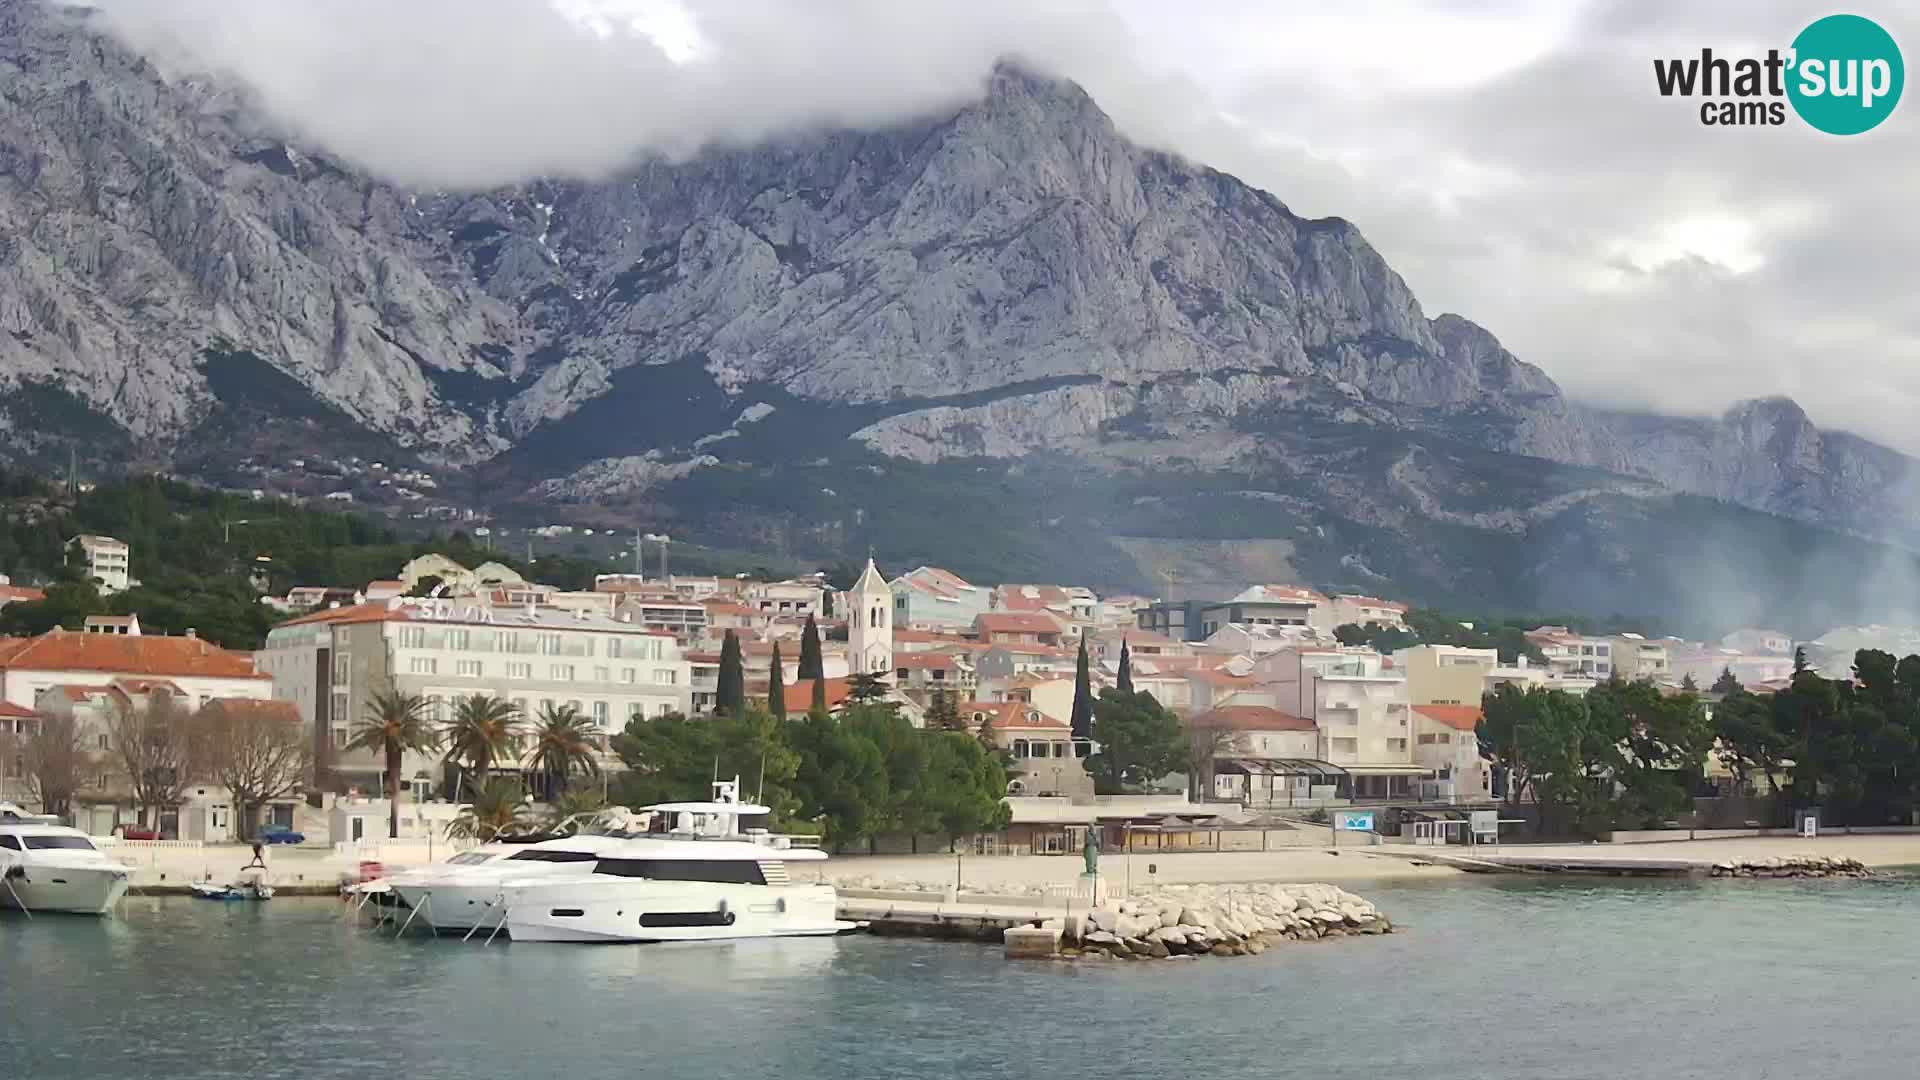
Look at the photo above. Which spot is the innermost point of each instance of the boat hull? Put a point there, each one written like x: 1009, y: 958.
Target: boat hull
x: 458, y: 902
x: 77, y: 890
x: 627, y: 910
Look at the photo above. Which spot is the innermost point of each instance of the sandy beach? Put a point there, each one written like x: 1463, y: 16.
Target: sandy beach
x: 1874, y: 850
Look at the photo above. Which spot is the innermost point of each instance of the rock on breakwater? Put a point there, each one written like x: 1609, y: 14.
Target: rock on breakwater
x: 1812, y: 866
x: 1209, y: 920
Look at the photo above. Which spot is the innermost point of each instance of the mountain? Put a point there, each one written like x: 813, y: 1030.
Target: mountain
x: 1003, y: 338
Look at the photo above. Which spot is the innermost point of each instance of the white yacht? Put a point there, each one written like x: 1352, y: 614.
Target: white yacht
x: 45, y: 866
x: 695, y: 876
x: 464, y: 892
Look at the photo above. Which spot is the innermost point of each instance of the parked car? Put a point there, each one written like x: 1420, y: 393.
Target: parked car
x: 280, y: 834
x: 137, y: 832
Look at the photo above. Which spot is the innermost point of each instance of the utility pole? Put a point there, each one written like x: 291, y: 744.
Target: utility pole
x: 639, y: 557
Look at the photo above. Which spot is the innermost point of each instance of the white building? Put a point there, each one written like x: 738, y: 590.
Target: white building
x: 798, y: 597
x: 1366, y: 611
x: 332, y: 663
x: 870, y: 624
x: 1360, y: 708
x: 201, y: 670
x: 107, y: 561
x: 1571, y: 653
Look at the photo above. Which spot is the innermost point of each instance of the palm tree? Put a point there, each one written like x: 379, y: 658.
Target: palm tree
x: 562, y: 744
x: 394, y: 724
x: 572, y: 804
x: 496, y: 807
x: 481, y: 732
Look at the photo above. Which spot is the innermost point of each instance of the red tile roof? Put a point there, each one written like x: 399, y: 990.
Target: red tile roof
x: 934, y: 661
x: 1371, y: 601
x: 16, y: 712
x: 376, y: 611
x: 1251, y: 718
x: 800, y: 695
x: 61, y: 650
x: 1459, y: 717
x: 10, y: 593
x: 1012, y: 716
x: 1220, y: 677
x: 727, y: 607
x: 1017, y: 622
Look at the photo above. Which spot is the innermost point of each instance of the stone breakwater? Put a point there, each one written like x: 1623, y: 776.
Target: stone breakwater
x: 1209, y: 920
x: 1799, y: 867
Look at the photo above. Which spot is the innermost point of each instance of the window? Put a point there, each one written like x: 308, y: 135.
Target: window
x: 575, y: 705
x: 413, y: 637
x: 560, y: 672
x: 1346, y: 746
x: 1059, y: 749
x: 423, y: 665
x: 901, y: 674
x: 103, y: 742
x: 467, y: 668
x: 520, y: 706
x: 457, y: 639
x: 50, y: 843
x: 601, y: 674
x: 1427, y: 739
x: 733, y: 871
x: 600, y: 714
x: 662, y: 709
x: 666, y: 676
x: 636, y: 710
x: 1020, y: 748
x: 9, y: 843
x: 520, y: 671
x: 1446, y: 737
x: 549, y: 644
x: 436, y: 709
x: 629, y: 675
x: 1396, y: 746
x: 340, y: 666
x: 532, y: 855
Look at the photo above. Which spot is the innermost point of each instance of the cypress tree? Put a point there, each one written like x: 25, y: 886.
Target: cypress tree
x: 810, y: 665
x: 1082, y: 723
x: 1124, y: 680
x: 819, y: 703
x: 730, y: 695
x: 777, y: 687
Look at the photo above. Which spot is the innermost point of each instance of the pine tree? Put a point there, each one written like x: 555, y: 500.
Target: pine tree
x: 810, y: 665
x: 943, y: 714
x: 1082, y: 721
x: 777, y: 687
x: 730, y: 694
x: 1124, y: 680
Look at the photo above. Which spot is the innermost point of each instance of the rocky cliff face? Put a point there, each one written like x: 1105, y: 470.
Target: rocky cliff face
x: 1010, y: 280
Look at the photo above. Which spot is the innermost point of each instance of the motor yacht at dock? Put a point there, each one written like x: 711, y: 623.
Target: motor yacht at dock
x: 696, y: 875
x: 46, y: 866
x: 463, y: 892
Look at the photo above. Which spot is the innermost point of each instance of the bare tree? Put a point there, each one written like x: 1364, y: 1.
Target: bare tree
x: 156, y: 747
x: 57, y: 762
x: 257, y: 750
x: 1204, y: 745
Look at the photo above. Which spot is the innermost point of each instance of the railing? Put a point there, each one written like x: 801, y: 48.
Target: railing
x: 123, y: 842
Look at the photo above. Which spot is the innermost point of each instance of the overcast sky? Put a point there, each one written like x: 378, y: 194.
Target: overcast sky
x: 1511, y: 160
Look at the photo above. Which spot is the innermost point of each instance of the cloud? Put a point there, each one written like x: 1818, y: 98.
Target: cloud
x: 1511, y: 160
x: 469, y: 94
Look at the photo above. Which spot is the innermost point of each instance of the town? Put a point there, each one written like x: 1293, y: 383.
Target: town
x: 1155, y: 720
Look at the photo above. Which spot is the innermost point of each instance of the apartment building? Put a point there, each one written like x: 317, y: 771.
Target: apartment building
x: 798, y: 597
x: 1019, y: 628
x: 1446, y: 674
x: 1345, y: 608
x: 1042, y: 756
x: 331, y: 665
x: 1636, y: 657
x: 930, y: 597
x: 1260, y: 754
x: 107, y: 561
x: 1360, y: 707
x: 1571, y: 653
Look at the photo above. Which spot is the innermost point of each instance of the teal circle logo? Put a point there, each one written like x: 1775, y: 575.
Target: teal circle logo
x: 1846, y: 76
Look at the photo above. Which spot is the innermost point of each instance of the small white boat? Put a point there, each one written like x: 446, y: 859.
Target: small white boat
x: 695, y: 876
x: 248, y: 890
x: 46, y: 866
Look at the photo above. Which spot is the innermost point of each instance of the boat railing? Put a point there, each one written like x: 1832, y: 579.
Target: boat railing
x: 144, y: 845
x: 784, y: 840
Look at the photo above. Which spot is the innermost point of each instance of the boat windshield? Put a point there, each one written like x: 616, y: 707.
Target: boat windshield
x: 468, y: 858
x: 549, y: 855
x: 43, y: 843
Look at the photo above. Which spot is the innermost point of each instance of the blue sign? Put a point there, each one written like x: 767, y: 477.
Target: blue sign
x: 1353, y: 820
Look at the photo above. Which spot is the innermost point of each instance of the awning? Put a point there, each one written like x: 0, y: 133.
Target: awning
x: 1284, y: 767
x: 1389, y: 770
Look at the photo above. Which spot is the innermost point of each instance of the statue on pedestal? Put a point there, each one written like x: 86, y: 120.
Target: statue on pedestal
x: 1091, y: 851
